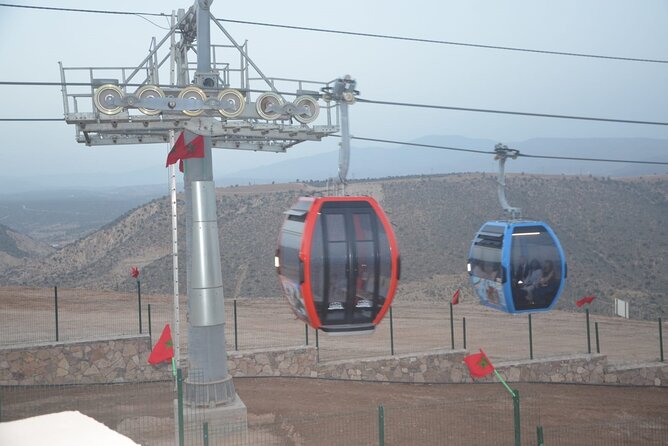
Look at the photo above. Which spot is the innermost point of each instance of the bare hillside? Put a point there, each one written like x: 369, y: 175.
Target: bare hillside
x: 613, y: 232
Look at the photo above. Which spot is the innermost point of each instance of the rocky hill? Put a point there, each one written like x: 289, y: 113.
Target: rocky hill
x: 17, y: 248
x: 613, y: 232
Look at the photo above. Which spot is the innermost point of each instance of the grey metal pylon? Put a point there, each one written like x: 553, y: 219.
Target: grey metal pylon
x: 209, y: 381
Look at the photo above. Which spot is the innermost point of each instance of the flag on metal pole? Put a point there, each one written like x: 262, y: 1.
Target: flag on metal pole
x: 183, y: 150
x: 164, y: 348
x: 585, y: 300
x: 480, y: 366
x: 455, y: 298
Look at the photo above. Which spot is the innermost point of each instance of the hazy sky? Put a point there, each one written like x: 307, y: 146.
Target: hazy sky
x: 32, y: 42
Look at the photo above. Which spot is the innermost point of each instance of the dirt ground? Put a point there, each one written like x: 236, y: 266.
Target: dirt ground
x: 310, y: 411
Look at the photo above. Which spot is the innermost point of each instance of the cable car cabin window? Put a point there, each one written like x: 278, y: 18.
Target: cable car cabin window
x: 291, y: 270
x: 535, y: 267
x: 337, y: 253
x: 485, y: 266
x: 290, y: 242
x: 365, y: 268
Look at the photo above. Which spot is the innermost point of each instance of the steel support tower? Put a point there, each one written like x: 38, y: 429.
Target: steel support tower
x: 132, y: 106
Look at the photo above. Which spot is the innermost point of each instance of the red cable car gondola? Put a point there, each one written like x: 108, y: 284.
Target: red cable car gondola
x: 338, y: 262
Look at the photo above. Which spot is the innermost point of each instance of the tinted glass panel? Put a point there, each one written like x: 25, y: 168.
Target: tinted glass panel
x: 337, y: 268
x: 535, y: 268
x: 485, y: 264
x: 290, y: 243
x: 317, y: 263
x: 365, y: 271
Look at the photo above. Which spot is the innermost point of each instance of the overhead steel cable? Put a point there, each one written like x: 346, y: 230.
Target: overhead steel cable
x: 358, y: 34
x: 491, y: 152
x: 394, y: 103
x: 90, y: 11
x: 509, y: 112
x: 445, y: 42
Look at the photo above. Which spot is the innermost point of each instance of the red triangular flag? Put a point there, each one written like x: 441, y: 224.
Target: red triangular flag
x: 455, y: 298
x: 183, y: 150
x: 164, y: 349
x: 585, y: 300
x: 479, y: 365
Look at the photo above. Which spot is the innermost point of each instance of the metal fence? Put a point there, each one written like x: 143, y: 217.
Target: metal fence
x: 34, y: 315
x: 148, y: 413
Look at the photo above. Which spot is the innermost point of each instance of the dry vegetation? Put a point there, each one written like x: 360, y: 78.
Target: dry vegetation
x: 613, y: 231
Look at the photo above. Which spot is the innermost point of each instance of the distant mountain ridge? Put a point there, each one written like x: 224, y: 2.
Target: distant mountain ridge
x: 613, y: 232
x: 380, y: 160
x: 400, y: 160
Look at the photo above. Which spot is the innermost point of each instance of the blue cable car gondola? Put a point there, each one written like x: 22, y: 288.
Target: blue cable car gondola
x: 338, y: 263
x: 516, y: 266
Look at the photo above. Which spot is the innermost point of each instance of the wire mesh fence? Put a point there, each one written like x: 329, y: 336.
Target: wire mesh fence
x: 37, y: 315
x: 652, y: 432
x: 148, y: 414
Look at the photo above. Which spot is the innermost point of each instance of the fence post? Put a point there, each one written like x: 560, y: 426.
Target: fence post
x: 179, y: 406
x: 55, y: 299
x: 516, y: 417
x: 317, y: 346
x: 150, y: 330
x: 306, y: 333
x: 598, y: 345
x: 391, y: 333
x: 236, y: 333
x: 452, y: 329
x: 530, y: 339
x: 205, y: 433
x: 464, y: 331
x: 539, y: 436
x: 381, y: 426
x: 139, y: 304
x: 588, y: 332
x: 661, y: 338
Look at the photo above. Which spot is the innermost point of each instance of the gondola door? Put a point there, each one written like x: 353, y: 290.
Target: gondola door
x: 350, y: 266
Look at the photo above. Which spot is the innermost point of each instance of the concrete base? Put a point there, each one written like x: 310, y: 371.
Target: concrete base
x: 228, y: 421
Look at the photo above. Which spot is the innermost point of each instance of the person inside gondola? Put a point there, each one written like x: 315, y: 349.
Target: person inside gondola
x: 524, y: 291
x: 546, y: 286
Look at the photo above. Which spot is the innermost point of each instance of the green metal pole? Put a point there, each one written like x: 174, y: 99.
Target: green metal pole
x: 205, y: 433
x: 598, y: 345
x: 317, y: 347
x: 539, y: 435
x: 391, y: 333
x: 452, y: 329
x: 661, y: 339
x: 306, y: 333
x: 139, y: 304
x: 588, y: 332
x: 516, y: 417
x: 55, y: 298
x: 236, y: 334
x: 150, y: 330
x: 179, y: 387
x: 381, y: 426
x: 464, y: 331
x: 530, y: 339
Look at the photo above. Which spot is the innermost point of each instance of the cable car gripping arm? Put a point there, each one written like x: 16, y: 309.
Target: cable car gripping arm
x: 343, y: 92
x: 503, y: 152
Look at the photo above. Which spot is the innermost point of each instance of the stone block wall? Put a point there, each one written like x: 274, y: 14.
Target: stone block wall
x: 123, y: 359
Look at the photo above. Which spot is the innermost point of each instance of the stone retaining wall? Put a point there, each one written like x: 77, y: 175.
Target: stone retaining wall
x: 125, y: 360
